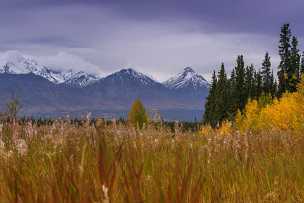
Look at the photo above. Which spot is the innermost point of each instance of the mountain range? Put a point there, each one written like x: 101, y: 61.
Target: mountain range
x: 46, y: 92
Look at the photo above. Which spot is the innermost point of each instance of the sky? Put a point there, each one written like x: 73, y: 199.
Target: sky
x: 158, y: 37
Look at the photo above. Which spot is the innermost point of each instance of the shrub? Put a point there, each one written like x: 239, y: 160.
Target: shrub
x: 137, y: 115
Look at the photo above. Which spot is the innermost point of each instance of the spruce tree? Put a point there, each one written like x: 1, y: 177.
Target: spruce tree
x: 210, y: 106
x: 266, y: 74
x: 240, y: 87
x: 249, y: 81
x: 302, y: 66
x: 274, y: 86
x: 222, y: 95
x: 232, y: 78
x: 294, y: 67
x: 232, y: 106
x: 258, y: 84
x: 284, y: 52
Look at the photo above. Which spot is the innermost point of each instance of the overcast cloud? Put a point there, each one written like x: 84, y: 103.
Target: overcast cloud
x: 159, y: 37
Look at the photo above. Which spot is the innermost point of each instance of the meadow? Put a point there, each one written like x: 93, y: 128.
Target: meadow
x: 113, y: 162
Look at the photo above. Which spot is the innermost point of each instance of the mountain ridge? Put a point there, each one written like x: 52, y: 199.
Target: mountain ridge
x: 78, y: 92
x: 14, y: 62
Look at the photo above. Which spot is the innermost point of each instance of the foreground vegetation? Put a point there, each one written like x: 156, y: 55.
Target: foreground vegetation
x: 63, y: 162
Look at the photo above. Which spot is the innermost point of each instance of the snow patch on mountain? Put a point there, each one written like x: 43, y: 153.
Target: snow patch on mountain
x: 187, y: 78
x: 14, y: 62
x: 133, y: 75
x: 81, y: 79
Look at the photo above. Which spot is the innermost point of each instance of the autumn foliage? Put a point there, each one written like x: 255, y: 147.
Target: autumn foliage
x: 284, y: 114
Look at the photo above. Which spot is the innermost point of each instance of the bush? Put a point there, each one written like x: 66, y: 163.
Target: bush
x: 137, y: 115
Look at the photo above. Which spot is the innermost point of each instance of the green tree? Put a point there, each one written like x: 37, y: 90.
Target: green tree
x: 222, y: 96
x: 137, y: 115
x: 302, y: 65
x: 240, y: 93
x: 284, y: 52
x: 232, y: 96
x: 266, y: 74
x: 294, y: 67
x: 274, y: 87
x: 258, y: 84
x: 210, y: 106
x: 249, y: 81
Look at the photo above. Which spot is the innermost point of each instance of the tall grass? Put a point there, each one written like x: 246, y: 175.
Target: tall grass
x: 114, y: 163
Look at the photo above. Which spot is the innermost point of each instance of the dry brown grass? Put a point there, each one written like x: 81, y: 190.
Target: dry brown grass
x: 115, y: 163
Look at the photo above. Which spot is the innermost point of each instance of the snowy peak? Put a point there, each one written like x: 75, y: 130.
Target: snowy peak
x: 131, y: 74
x: 187, y: 79
x: 188, y: 70
x: 14, y: 62
x: 81, y: 79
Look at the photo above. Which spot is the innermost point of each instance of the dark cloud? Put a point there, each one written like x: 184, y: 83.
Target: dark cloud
x: 259, y: 16
x: 158, y: 36
x: 263, y: 16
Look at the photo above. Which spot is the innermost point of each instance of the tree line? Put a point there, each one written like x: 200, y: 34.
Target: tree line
x: 229, y: 94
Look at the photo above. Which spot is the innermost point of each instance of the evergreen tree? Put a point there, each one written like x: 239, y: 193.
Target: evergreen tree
x: 137, y: 115
x: 284, y: 52
x: 210, y: 106
x: 222, y: 95
x: 240, y: 93
x: 258, y: 84
x: 274, y: 86
x: 266, y: 74
x: 294, y: 67
x: 302, y: 65
x: 232, y: 107
x: 249, y: 81
x: 232, y: 78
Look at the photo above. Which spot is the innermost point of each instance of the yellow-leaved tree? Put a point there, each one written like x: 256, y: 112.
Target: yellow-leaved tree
x: 137, y: 115
x: 285, y: 114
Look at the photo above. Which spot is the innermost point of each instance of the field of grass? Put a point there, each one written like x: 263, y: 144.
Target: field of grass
x: 63, y: 162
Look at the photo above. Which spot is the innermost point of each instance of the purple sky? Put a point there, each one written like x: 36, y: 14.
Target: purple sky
x: 158, y: 37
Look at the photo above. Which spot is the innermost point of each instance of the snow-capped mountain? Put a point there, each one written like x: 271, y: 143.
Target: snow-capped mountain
x: 14, y: 62
x: 187, y: 79
x: 131, y: 75
x: 181, y: 98
x: 80, y: 79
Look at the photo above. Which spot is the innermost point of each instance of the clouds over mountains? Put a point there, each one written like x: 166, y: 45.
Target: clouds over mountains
x: 112, y: 35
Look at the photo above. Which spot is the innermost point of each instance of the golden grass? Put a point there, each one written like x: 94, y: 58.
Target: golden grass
x: 114, y: 163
